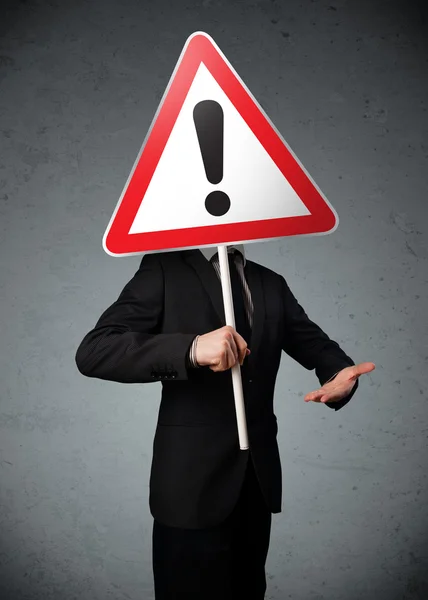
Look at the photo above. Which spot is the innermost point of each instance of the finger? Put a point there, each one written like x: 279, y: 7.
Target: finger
x: 313, y: 396
x: 241, y: 345
x: 362, y: 368
x: 235, y: 350
x: 231, y: 358
x: 225, y: 357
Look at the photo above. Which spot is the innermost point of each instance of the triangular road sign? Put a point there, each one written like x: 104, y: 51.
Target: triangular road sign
x: 213, y: 169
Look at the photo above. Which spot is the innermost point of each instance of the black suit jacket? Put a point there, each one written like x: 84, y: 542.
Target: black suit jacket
x: 198, y: 468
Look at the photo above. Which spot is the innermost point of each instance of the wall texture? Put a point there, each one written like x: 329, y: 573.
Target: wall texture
x: 346, y: 84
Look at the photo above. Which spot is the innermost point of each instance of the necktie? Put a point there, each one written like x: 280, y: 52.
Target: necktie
x: 241, y: 321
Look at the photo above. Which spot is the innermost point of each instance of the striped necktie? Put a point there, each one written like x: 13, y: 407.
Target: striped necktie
x: 241, y: 321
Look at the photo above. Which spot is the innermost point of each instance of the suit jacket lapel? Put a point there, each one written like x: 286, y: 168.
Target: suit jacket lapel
x: 209, y: 280
x: 212, y: 285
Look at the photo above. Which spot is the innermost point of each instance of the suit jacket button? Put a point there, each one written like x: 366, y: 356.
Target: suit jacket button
x: 250, y: 381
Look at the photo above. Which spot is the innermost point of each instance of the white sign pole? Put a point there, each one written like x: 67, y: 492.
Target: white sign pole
x: 236, y: 369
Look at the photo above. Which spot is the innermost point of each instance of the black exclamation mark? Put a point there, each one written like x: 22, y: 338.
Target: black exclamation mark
x: 209, y: 123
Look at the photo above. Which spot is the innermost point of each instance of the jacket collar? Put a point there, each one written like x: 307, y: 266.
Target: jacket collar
x: 211, y: 251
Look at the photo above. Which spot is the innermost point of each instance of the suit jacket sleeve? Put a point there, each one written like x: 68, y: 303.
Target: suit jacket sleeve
x: 310, y: 346
x: 125, y: 345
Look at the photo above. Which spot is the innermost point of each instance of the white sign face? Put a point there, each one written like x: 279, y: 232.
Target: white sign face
x: 176, y: 195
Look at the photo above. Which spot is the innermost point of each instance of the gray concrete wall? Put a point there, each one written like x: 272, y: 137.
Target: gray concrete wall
x: 346, y: 84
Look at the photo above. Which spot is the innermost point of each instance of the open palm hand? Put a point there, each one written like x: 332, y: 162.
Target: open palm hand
x: 341, y: 385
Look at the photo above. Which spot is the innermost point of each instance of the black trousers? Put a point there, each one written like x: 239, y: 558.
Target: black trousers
x: 225, y: 562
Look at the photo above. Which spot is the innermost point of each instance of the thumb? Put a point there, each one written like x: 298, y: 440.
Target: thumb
x: 362, y: 368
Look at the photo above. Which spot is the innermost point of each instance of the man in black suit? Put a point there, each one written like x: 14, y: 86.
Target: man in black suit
x: 211, y: 501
